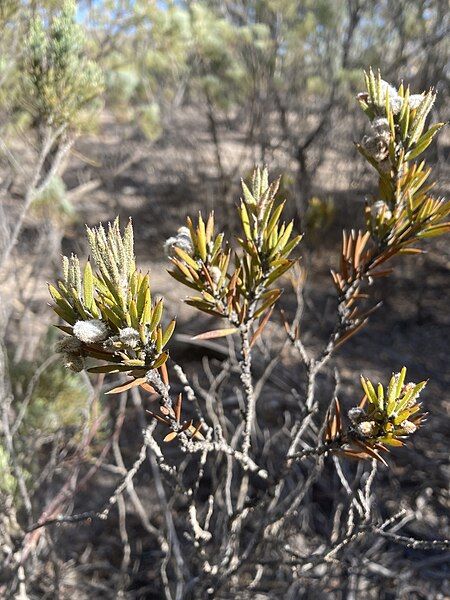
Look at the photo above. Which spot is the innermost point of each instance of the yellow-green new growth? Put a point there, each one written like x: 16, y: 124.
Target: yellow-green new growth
x: 385, y: 417
x: 398, y: 136
x: 110, y: 311
x: 392, y: 414
x: 112, y: 253
x: 239, y: 289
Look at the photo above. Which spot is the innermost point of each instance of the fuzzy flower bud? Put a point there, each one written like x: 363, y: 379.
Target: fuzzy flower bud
x: 380, y: 208
x: 380, y: 125
x: 216, y: 274
x: 71, y: 345
x: 129, y: 337
x: 354, y: 414
x: 366, y: 428
x: 90, y: 331
x: 395, y: 101
x: 408, y: 387
x: 396, y: 104
x: 74, y: 362
x: 376, y: 146
x: 182, y: 240
x: 408, y: 426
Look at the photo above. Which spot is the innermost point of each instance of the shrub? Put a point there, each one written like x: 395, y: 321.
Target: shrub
x: 60, y: 83
x: 237, y: 480
x: 254, y: 495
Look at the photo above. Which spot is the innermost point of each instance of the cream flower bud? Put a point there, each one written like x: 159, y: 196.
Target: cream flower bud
x: 68, y: 344
x: 376, y: 146
x: 366, y: 428
x: 381, y: 127
x: 415, y: 101
x: 129, y: 337
x: 354, y: 414
x: 183, y: 231
x: 408, y: 426
x: 379, y: 208
x: 90, y: 331
x: 396, y: 104
x: 387, y: 87
x: 395, y: 101
x: 182, y: 240
x: 216, y: 274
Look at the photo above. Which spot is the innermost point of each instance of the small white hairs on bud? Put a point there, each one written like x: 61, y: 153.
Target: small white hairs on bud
x: 129, y: 337
x: 408, y: 426
x: 216, y: 274
x: 182, y: 240
x: 90, y: 331
x: 395, y: 101
x: 68, y: 344
x: 355, y: 413
x: 381, y: 127
x: 377, y: 146
x: 366, y: 428
x: 380, y: 208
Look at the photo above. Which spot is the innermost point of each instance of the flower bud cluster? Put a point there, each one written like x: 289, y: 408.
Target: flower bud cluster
x: 129, y: 337
x: 366, y: 428
x: 90, y: 331
x: 182, y: 240
x: 72, y: 350
x: 380, y: 210
x: 377, y: 142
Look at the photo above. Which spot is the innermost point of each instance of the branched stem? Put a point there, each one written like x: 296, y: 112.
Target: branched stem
x: 246, y: 378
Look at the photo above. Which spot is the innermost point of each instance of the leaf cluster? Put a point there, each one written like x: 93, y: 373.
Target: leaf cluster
x: 395, y: 410
x: 398, y: 120
x: 404, y: 212
x: 117, y: 295
x: 386, y: 416
x: 237, y: 285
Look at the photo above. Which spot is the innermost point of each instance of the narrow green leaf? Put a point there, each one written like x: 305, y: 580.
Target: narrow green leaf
x: 168, y: 332
x: 160, y: 360
x: 187, y: 259
x: 400, y: 382
x: 147, y: 311
x: 380, y: 396
x: 201, y: 238
x: 156, y: 315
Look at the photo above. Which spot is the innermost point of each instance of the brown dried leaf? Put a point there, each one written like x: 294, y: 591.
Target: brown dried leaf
x: 216, y: 333
x: 127, y: 386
